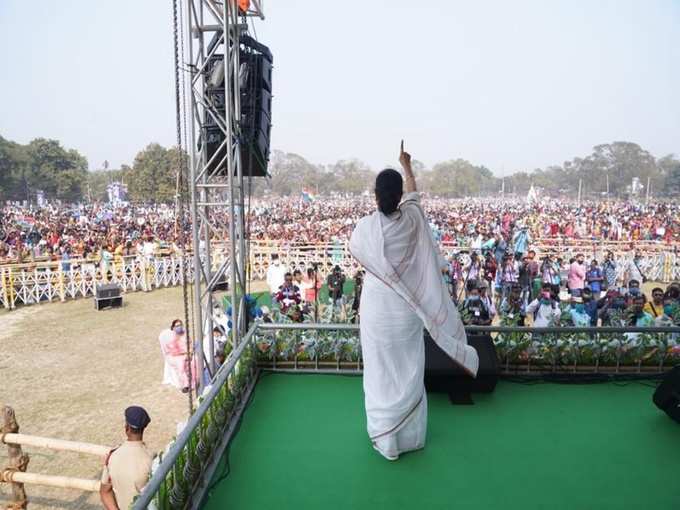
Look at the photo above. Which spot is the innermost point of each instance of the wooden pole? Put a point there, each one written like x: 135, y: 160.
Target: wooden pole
x: 63, y: 482
x: 647, y: 197
x: 18, y: 460
x: 580, y: 183
x: 56, y: 444
x: 607, y: 187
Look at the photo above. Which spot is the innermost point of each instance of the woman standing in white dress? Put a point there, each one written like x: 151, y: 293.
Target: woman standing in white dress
x: 403, y: 291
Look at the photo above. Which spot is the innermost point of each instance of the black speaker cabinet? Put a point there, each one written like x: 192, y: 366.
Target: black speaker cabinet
x: 667, y: 394
x: 442, y: 375
x: 107, y: 291
x: 108, y: 295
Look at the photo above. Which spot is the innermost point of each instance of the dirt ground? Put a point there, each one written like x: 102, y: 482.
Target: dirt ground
x: 69, y: 372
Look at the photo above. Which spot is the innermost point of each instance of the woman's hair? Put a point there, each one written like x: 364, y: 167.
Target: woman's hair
x: 172, y: 325
x: 389, y: 187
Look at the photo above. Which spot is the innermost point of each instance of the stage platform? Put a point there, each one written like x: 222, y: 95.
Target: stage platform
x: 303, y: 445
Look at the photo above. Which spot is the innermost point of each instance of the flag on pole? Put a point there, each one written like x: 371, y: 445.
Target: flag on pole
x: 307, y: 196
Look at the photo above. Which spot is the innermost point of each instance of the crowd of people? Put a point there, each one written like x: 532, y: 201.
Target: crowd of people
x: 552, y: 292
x: 471, y: 222
x: 80, y: 231
x: 494, y: 276
x: 506, y: 284
x: 298, y: 294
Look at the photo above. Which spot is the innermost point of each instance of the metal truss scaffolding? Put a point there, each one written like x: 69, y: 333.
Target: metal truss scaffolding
x: 216, y: 183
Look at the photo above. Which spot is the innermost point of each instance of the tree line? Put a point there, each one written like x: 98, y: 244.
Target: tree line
x: 63, y: 174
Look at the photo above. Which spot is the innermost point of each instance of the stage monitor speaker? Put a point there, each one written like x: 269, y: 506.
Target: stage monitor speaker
x: 108, y: 295
x: 667, y: 394
x: 442, y: 375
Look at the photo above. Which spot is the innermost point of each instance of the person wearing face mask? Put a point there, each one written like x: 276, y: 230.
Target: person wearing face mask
x: 578, y: 313
x: 668, y: 315
x: 276, y: 273
x: 590, y: 306
x: 477, y: 311
x: 670, y: 304
x: 610, y: 305
x: 633, y: 291
x: 544, y: 308
x: 633, y: 270
x: 512, y: 310
x: 174, y: 348
x: 595, y: 278
x: 636, y: 316
x: 609, y: 269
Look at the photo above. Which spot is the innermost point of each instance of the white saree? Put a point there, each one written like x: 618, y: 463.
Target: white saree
x: 403, y: 291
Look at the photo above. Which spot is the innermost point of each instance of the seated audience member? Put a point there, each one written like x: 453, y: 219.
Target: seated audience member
x: 288, y: 293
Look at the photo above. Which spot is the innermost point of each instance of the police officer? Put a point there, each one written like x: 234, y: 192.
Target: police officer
x: 126, y: 469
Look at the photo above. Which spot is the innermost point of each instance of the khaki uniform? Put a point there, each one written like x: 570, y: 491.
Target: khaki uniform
x: 127, y: 470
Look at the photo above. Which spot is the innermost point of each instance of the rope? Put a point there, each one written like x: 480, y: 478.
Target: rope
x: 179, y: 216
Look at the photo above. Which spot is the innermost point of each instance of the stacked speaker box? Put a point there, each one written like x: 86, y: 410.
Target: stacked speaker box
x: 108, y: 295
x: 255, y: 76
x: 442, y: 375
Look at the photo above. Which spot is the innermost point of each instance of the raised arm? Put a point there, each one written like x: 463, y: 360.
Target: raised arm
x: 409, y: 178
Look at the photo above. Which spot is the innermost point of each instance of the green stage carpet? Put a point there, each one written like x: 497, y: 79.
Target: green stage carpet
x: 303, y: 445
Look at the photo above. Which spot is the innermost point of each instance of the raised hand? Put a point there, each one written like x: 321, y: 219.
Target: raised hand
x: 405, y: 160
x: 404, y: 157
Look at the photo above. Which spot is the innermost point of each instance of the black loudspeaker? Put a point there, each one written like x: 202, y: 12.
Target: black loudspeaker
x: 667, y: 395
x: 108, y: 290
x: 255, y: 78
x: 442, y: 375
x: 108, y: 295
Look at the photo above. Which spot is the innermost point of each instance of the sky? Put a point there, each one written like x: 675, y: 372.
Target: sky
x: 511, y: 85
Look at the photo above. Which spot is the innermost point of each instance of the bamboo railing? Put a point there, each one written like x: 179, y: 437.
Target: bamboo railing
x: 46, y: 281
x: 15, y: 473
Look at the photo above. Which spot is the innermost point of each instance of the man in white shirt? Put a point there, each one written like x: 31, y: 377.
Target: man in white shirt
x: 276, y: 274
x: 149, y: 248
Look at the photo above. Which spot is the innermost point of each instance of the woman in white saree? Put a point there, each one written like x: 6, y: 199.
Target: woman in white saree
x: 403, y: 291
